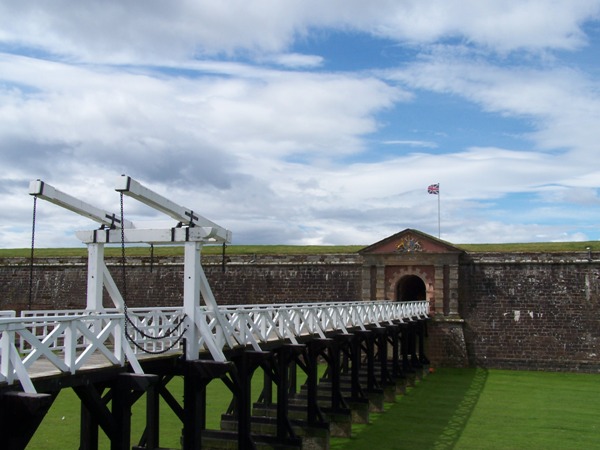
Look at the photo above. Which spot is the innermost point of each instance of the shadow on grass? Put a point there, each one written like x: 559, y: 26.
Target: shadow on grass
x: 430, y: 416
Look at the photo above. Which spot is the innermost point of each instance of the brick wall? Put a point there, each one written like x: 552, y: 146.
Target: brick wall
x: 61, y: 284
x: 527, y: 311
x: 55, y: 284
x: 531, y: 311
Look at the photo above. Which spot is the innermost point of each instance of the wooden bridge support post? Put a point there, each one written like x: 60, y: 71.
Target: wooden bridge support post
x: 129, y: 387
x: 245, y: 363
x: 422, y: 334
x: 370, y: 354
x: 404, y: 348
x: 94, y: 414
x: 355, y: 358
x: 413, y: 330
x: 88, y: 430
x: 394, y: 341
x: 194, y: 408
x: 315, y: 349
x: 380, y: 340
x: 151, y: 438
x: 197, y: 375
x: 266, y: 396
x: 125, y: 390
x: 285, y: 355
x: 398, y: 376
x: 347, y: 346
x: 20, y: 415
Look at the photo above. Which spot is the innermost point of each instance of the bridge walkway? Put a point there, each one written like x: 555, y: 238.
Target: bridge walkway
x: 107, y: 353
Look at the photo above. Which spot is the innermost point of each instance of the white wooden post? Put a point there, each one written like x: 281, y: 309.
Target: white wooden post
x: 95, y: 277
x: 191, y: 296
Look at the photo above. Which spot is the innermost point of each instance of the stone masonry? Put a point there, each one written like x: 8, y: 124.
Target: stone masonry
x: 523, y: 311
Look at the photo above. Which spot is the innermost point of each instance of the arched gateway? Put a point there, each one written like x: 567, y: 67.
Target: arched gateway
x: 412, y: 265
x: 410, y: 288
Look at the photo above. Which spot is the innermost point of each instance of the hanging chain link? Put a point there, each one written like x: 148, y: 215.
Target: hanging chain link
x: 123, y: 273
x: 128, y: 320
x: 151, y: 258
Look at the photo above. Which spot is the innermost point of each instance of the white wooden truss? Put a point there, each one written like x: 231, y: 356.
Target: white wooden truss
x: 68, y: 341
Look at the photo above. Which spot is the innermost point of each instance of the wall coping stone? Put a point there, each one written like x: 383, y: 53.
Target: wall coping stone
x: 208, y: 260
x: 529, y: 258
x: 477, y: 258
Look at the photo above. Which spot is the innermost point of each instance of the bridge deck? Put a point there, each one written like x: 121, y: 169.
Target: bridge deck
x: 43, y: 344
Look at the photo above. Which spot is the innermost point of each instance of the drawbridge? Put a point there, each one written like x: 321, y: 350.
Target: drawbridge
x: 112, y: 356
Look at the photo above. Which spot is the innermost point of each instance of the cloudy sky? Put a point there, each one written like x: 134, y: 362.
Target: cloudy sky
x: 305, y: 121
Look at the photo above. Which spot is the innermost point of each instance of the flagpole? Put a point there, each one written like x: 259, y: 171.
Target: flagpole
x: 439, y: 216
x: 435, y: 189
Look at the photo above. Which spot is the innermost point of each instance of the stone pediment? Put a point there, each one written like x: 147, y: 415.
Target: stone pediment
x: 410, y: 241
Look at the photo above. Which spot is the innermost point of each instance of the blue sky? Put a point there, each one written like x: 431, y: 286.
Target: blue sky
x: 306, y: 122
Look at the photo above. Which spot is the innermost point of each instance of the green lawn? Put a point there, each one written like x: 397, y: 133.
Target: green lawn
x: 451, y: 409
x: 477, y: 409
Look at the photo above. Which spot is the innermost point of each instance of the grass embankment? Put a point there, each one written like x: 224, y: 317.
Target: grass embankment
x: 461, y: 409
x: 114, y: 251
x: 178, y: 250
x: 533, y: 247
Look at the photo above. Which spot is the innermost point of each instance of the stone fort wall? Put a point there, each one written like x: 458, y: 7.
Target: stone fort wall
x: 524, y: 311
x: 531, y: 311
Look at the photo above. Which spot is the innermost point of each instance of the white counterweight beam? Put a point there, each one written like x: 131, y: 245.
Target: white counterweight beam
x: 47, y: 192
x: 130, y: 187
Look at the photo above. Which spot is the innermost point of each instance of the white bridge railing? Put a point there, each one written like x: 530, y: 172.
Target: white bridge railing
x: 41, y: 343
x: 64, y: 342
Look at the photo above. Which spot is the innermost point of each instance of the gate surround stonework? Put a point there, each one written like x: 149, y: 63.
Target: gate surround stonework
x: 436, y: 262
x: 413, y: 252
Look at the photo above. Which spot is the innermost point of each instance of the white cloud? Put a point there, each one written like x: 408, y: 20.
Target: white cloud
x: 222, y: 134
x: 561, y: 104
x: 424, y: 144
x: 295, y: 60
x: 185, y: 98
x: 146, y: 30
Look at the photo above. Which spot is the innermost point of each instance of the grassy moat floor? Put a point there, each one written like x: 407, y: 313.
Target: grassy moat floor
x: 457, y: 409
x: 488, y: 409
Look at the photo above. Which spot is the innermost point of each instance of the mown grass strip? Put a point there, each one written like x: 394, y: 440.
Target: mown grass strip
x: 170, y: 251
x: 475, y: 409
x: 167, y: 250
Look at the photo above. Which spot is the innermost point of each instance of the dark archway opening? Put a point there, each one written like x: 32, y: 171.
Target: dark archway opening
x: 411, y: 288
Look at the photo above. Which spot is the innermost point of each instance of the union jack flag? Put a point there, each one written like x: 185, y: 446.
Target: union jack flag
x: 433, y: 189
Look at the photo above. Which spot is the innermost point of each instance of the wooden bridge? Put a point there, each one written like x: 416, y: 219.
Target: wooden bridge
x: 374, y: 345
x: 112, y: 357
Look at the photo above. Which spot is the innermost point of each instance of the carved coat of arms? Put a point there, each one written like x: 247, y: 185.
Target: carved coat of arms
x: 409, y: 244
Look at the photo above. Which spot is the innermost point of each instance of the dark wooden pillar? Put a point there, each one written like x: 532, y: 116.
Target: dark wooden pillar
x: 20, y: 415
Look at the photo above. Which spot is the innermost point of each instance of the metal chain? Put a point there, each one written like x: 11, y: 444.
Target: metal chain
x: 32, y: 251
x: 158, y: 352
x: 123, y: 273
x: 128, y: 320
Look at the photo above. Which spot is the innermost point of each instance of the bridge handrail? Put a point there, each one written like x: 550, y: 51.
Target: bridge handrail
x: 251, y: 324
x: 152, y: 321
x: 68, y: 338
x: 79, y: 337
x: 256, y: 324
